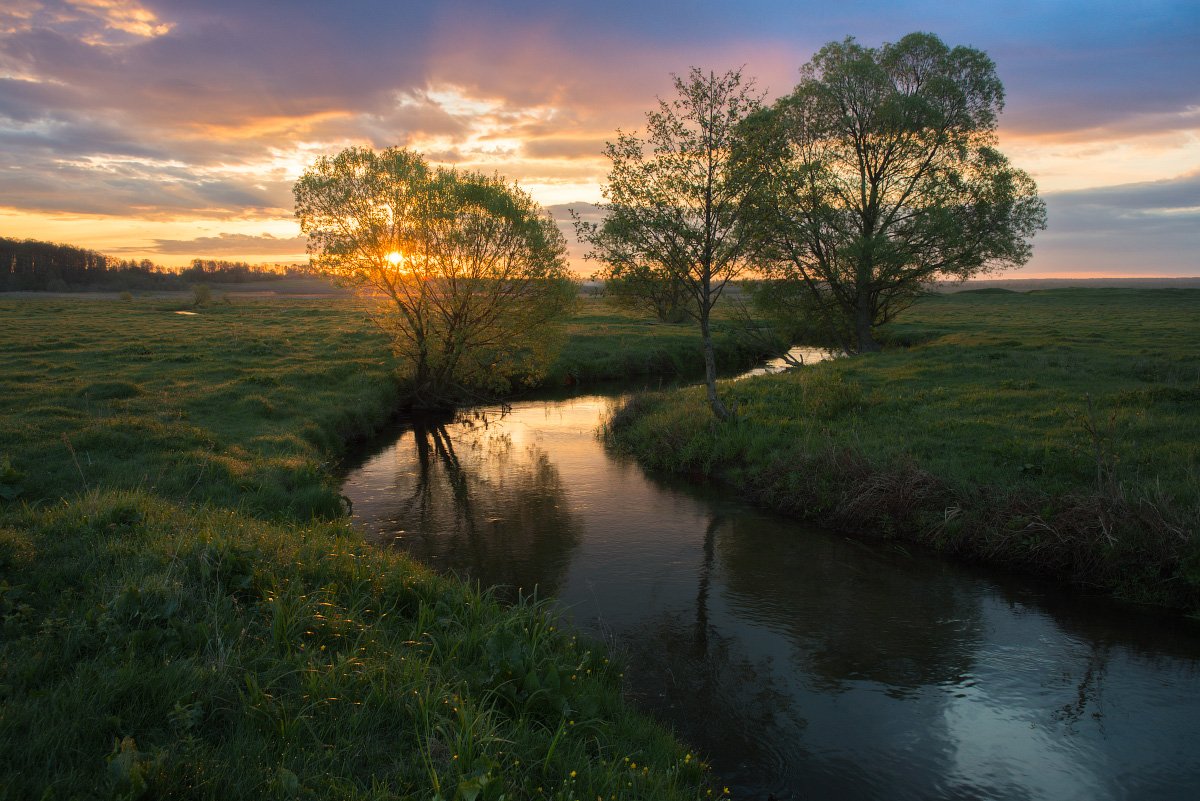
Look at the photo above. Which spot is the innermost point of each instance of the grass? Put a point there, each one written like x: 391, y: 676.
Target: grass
x: 186, y: 612
x: 1054, y: 431
x: 606, y: 342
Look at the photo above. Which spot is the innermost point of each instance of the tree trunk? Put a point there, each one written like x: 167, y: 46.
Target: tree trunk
x: 710, y: 370
x: 863, y: 325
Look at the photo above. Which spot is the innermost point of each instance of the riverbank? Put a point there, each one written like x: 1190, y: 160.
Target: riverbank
x: 605, y: 343
x: 1052, y: 432
x: 187, y: 612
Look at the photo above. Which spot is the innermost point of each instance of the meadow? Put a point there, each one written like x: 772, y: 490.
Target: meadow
x: 1054, y: 432
x: 613, y: 344
x: 187, y: 612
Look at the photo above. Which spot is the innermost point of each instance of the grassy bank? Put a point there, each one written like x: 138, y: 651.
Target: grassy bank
x: 1055, y: 432
x: 185, y: 611
x: 607, y: 343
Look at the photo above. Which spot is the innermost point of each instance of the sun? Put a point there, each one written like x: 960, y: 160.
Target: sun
x: 395, y: 258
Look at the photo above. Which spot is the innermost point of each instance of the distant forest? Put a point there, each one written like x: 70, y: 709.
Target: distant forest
x: 27, y: 264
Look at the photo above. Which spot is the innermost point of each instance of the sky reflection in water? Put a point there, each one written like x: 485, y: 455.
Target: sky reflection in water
x: 805, y: 664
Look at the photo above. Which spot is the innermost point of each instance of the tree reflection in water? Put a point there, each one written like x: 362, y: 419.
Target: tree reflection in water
x: 856, y: 616
x: 706, y: 568
x: 803, y: 663
x: 722, y: 698
x: 480, y: 507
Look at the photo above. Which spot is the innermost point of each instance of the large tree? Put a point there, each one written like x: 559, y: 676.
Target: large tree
x: 674, y: 202
x: 471, y: 270
x: 879, y: 175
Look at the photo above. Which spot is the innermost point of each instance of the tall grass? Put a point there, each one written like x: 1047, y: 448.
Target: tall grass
x: 185, y: 611
x: 1054, y: 431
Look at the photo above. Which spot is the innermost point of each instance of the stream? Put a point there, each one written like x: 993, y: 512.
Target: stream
x: 803, y: 663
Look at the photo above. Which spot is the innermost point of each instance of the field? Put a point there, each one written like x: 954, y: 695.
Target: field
x: 606, y: 343
x: 1055, y: 431
x: 186, y: 611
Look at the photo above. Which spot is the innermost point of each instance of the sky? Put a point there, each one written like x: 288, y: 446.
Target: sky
x: 174, y: 129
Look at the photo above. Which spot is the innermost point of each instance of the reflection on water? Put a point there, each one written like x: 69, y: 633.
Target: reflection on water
x: 807, y: 665
x: 798, y: 356
x: 465, y: 497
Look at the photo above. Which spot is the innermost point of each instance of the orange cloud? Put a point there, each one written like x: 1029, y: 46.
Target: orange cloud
x: 126, y: 16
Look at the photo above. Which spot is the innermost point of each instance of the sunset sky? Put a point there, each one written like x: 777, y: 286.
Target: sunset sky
x: 174, y: 129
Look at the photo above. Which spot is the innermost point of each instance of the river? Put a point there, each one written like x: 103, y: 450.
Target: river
x: 803, y: 663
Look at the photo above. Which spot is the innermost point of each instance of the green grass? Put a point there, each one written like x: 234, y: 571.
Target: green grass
x: 1055, y: 431
x: 186, y: 612
x: 606, y: 343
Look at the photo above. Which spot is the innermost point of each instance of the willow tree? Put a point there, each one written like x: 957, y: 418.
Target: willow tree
x: 879, y: 175
x: 674, y: 203
x: 470, y: 272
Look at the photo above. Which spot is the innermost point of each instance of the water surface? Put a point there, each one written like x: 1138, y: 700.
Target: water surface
x: 805, y: 664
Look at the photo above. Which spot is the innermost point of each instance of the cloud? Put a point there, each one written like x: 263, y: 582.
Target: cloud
x: 125, y: 16
x: 565, y: 148
x: 1150, y: 227
x: 176, y: 109
x: 232, y: 244
x: 1175, y: 197
x: 137, y: 188
x: 1101, y: 66
x: 220, y: 70
x: 576, y: 251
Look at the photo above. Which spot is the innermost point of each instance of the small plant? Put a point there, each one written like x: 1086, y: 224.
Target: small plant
x: 126, y: 296
x: 1108, y: 489
x: 201, y: 295
x: 133, y: 771
x: 10, y: 480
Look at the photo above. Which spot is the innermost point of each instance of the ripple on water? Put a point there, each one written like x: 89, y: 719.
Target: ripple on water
x: 803, y: 664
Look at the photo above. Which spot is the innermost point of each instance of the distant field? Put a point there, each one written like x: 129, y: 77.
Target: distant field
x: 1057, y: 430
x: 604, y: 343
x: 320, y: 287
x: 1018, y: 284
x: 283, y: 287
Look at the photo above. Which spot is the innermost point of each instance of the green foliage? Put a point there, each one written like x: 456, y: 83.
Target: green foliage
x: 879, y: 175
x: 801, y: 313
x: 471, y: 273
x: 10, y: 480
x: 201, y: 294
x: 185, y: 611
x: 674, y: 205
x: 639, y: 287
x: 1052, y: 431
x: 32, y: 265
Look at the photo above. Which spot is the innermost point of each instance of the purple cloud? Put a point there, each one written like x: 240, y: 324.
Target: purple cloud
x: 232, y: 244
x: 171, y: 109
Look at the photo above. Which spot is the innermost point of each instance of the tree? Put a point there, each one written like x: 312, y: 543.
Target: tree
x: 639, y: 287
x: 675, y: 202
x: 879, y: 175
x: 471, y: 271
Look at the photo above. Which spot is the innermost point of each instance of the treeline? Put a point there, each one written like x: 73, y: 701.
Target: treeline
x: 29, y: 264
x: 231, y: 272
